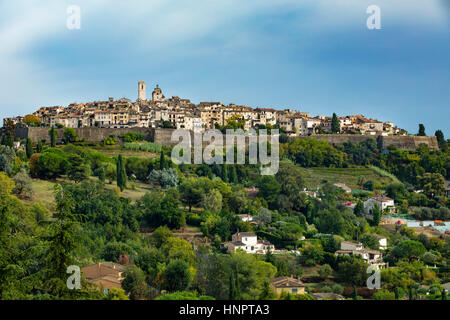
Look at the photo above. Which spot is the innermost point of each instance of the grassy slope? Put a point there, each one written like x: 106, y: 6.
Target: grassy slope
x: 43, y: 192
x: 315, y: 177
x: 117, y: 149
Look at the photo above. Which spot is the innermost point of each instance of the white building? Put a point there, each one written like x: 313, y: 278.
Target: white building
x: 245, y: 217
x: 371, y: 257
x: 382, y: 202
x: 382, y: 242
x: 248, y: 241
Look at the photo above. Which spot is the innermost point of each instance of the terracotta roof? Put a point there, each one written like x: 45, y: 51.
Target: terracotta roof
x: 102, y: 269
x: 246, y: 234
x: 286, y: 282
x: 104, y: 274
x: 327, y: 295
x: 382, y: 198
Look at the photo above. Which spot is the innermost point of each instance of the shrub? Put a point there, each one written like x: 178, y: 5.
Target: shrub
x: 337, y: 288
x: 22, y: 183
x: 383, y: 295
x: 143, y: 146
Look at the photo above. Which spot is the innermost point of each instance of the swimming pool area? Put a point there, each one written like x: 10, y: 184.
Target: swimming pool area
x: 412, y: 223
x: 416, y: 224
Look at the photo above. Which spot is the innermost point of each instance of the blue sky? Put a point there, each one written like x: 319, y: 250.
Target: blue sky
x: 312, y: 55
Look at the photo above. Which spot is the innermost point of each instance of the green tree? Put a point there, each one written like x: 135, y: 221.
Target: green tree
x: 29, y: 148
x: 7, y: 157
x: 359, y: 208
x: 311, y: 254
x: 22, y: 184
x: 335, y: 124
x: 432, y: 184
x: 161, y: 235
x: 376, y: 215
x: 101, y: 174
x: 353, y: 271
x: 70, y: 135
x: 162, y: 161
x: 177, y: 276
x: 384, y: 295
x: 370, y: 241
x: 7, y: 140
x: 212, y: 201
x: 409, y: 250
x: 233, y: 178
x: 397, y: 191
x: 121, y: 174
x: 134, y: 283
x: 397, y: 293
x: 234, y: 294
x: 421, y: 130
x: 325, y: 271
x: 40, y: 146
x: 63, y: 241
x: 116, y: 294
x: 6, y: 184
x: 410, y: 293
x: 78, y: 169
x: 50, y: 164
x: 269, y: 188
x: 191, y: 192
x: 53, y: 133
x: 224, y: 173
x: 441, y: 140
x: 31, y: 120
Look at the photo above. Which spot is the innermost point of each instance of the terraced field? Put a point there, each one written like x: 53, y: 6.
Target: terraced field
x: 315, y: 177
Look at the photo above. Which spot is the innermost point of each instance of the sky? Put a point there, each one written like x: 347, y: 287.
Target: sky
x: 316, y: 56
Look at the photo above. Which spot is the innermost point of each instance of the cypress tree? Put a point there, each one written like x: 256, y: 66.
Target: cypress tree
x: 359, y: 208
x: 29, y: 148
x: 355, y: 293
x: 238, y: 287
x: 162, y: 161
x: 397, y: 294
x: 335, y: 124
x: 52, y: 133
x: 101, y: 175
x: 224, y: 173
x: 40, y: 146
x: 8, y: 140
x: 121, y: 174
x: 441, y: 140
x: 421, y: 130
x: 232, y: 288
x: 376, y: 215
x: 233, y: 174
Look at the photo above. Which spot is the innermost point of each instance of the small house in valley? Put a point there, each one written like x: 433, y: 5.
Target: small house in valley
x: 248, y: 241
x: 287, y: 284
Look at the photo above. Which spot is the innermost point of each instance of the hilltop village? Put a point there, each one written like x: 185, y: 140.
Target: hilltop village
x: 95, y: 186
x: 176, y: 112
